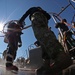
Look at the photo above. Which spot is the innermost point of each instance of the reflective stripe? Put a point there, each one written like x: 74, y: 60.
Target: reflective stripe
x: 9, y: 62
x: 9, y: 56
x: 32, y: 18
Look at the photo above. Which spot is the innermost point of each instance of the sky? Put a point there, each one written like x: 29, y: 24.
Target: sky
x: 14, y: 9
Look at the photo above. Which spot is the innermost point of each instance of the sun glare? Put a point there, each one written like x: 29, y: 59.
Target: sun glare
x: 73, y: 1
x: 1, y: 26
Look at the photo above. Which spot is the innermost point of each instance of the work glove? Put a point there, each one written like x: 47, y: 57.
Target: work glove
x: 19, y: 44
x: 22, y: 24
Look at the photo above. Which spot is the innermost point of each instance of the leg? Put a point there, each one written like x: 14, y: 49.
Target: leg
x: 12, y: 47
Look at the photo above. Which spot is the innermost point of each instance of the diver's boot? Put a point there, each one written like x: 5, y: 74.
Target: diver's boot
x: 13, y: 67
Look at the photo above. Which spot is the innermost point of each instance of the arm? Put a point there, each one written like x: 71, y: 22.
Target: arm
x: 57, y: 25
x: 21, y: 20
x: 25, y: 15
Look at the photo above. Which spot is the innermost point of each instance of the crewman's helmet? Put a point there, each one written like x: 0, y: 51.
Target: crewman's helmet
x: 13, y: 24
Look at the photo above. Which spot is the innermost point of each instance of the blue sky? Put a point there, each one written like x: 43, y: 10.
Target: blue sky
x: 14, y: 9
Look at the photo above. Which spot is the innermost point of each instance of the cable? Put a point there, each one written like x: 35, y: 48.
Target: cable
x: 73, y: 18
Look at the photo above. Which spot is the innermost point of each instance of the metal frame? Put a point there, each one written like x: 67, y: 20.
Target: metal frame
x: 70, y: 4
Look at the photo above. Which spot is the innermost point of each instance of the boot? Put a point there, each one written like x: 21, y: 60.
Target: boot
x: 62, y: 61
x: 45, y: 68
x: 12, y: 68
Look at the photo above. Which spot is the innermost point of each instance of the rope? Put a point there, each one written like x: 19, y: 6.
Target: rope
x: 14, y: 30
x: 17, y: 29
